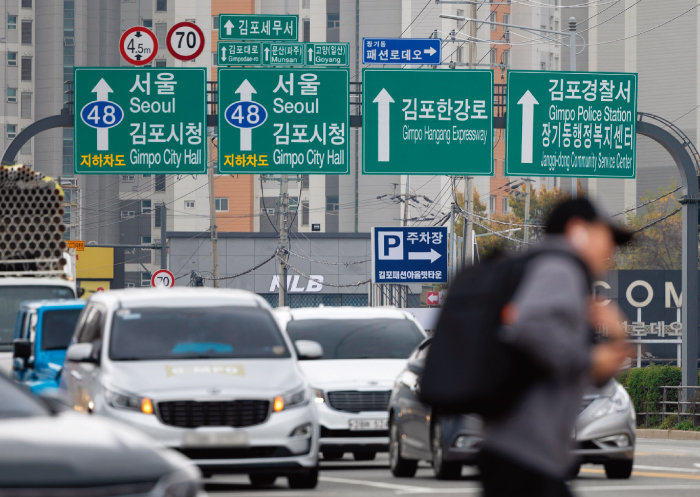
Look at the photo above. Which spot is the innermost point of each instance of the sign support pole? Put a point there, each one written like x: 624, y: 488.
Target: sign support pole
x: 283, y: 241
x: 212, y: 226
x: 163, y: 235
x: 467, y: 249
x: 572, y: 67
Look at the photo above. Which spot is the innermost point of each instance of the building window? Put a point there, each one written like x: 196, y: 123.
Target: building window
x: 458, y: 57
x: 506, y: 58
x: 189, y: 204
x: 26, y: 4
x: 145, y: 278
x: 504, y: 205
x: 129, y: 284
x: 494, y: 18
x: 12, y: 95
x: 11, y: 130
x: 148, y: 23
x: 506, y: 18
x: 331, y: 203
x: 160, y: 62
x: 492, y: 56
x: 159, y: 181
x: 304, y: 212
x: 306, y: 29
x: 157, y: 216
x: 127, y: 214
x: 492, y: 203
x: 161, y: 33
x: 215, y: 22
x: 145, y: 240
x: 26, y: 32
x: 221, y: 204
x: 543, y: 66
x: 11, y: 58
x: 145, y: 206
x: 333, y: 20
x: 305, y: 4
x: 11, y: 22
x: 26, y: 69
x: 161, y: 5
x: 214, y: 60
x: 26, y: 111
x: 128, y: 178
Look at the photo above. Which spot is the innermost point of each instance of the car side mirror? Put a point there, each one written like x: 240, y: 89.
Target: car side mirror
x: 81, y: 292
x: 18, y: 364
x: 80, y: 352
x: 416, y: 367
x: 22, y: 349
x: 308, y: 350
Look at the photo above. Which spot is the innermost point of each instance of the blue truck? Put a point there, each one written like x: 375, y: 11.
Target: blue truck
x: 43, y: 331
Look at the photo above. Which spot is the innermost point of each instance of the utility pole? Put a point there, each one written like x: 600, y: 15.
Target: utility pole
x: 283, y: 250
x: 212, y: 226
x: 405, y: 200
x: 163, y: 234
x: 572, y: 67
x: 453, y: 244
x: 467, y: 248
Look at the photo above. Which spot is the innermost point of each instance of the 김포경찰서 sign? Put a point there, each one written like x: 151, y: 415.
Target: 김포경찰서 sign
x: 258, y: 27
x: 283, y: 121
x: 427, y: 121
x: 402, y: 51
x: 409, y: 254
x: 579, y: 124
x: 144, y: 121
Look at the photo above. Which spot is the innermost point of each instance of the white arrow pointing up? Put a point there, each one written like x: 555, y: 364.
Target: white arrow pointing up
x: 229, y: 27
x: 383, y: 101
x: 311, y: 55
x: 528, y: 101
x: 430, y: 51
x: 432, y: 256
x: 102, y: 90
x: 246, y: 91
x: 267, y: 54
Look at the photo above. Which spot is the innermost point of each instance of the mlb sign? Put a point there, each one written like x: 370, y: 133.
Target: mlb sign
x: 409, y: 255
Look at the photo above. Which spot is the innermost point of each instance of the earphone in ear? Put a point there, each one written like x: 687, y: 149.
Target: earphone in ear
x: 579, y: 237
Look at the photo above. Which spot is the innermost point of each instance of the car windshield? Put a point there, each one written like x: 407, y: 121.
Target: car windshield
x: 57, y: 328
x: 380, y: 338
x: 12, y: 296
x: 18, y: 404
x: 195, y: 333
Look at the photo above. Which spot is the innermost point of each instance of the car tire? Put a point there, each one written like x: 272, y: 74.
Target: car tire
x: 262, y: 480
x: 444, y: 470
x: 400, y: 467
x: 304, y: 480
x: 332, y: 455
x: 618, y: 470
x: 364, y: 456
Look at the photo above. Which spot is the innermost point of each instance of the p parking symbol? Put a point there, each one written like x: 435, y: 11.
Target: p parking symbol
x: 390, y: 245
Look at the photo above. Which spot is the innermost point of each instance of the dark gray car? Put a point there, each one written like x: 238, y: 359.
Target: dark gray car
x: 604, y: 434
x: 50, y: 452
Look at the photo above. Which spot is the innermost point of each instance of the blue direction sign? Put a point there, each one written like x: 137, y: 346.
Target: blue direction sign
x: 402, y: 51
x: 409, y: 255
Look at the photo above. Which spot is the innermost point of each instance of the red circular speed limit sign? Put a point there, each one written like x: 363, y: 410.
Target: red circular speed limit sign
x: 185, y: 40
x: 138, y: 45
x: 162, y: 279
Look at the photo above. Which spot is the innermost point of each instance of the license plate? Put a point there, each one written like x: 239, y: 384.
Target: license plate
x: 214, y: 439
x: 369, y: 424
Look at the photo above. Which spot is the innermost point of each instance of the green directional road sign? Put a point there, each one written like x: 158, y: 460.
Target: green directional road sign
x: 580, y: 124
x: 143, y: 121
x: 283, y: 121
x: 427, y: 121
x: 239, y: 53
x: 258, y: 27
x: 283, y: 54
x: 327, y: 54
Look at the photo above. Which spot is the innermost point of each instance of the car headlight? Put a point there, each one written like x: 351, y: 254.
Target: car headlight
x: 295, y: 398
x: 618, y: 402
x: 132, y: 402
x: 179, y: 484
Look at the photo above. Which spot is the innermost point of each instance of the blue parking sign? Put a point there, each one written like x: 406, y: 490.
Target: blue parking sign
x: 409, y: 255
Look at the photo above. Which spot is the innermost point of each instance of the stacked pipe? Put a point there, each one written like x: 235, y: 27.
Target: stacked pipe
x: 31, y: 221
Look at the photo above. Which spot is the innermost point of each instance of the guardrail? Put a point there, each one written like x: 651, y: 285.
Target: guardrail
x: 684, y: 407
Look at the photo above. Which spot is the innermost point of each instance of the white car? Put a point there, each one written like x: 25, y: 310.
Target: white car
x: 207, y: 372
x: 364, y: 350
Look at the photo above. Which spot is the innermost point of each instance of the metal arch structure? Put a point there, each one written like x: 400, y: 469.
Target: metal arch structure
x: 686, y: 157
x: 664, y: 132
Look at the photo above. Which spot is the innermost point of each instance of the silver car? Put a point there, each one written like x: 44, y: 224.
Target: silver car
x: 207, y: 372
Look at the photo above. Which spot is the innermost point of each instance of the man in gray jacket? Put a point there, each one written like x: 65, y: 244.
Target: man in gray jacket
x: 527, y: 452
